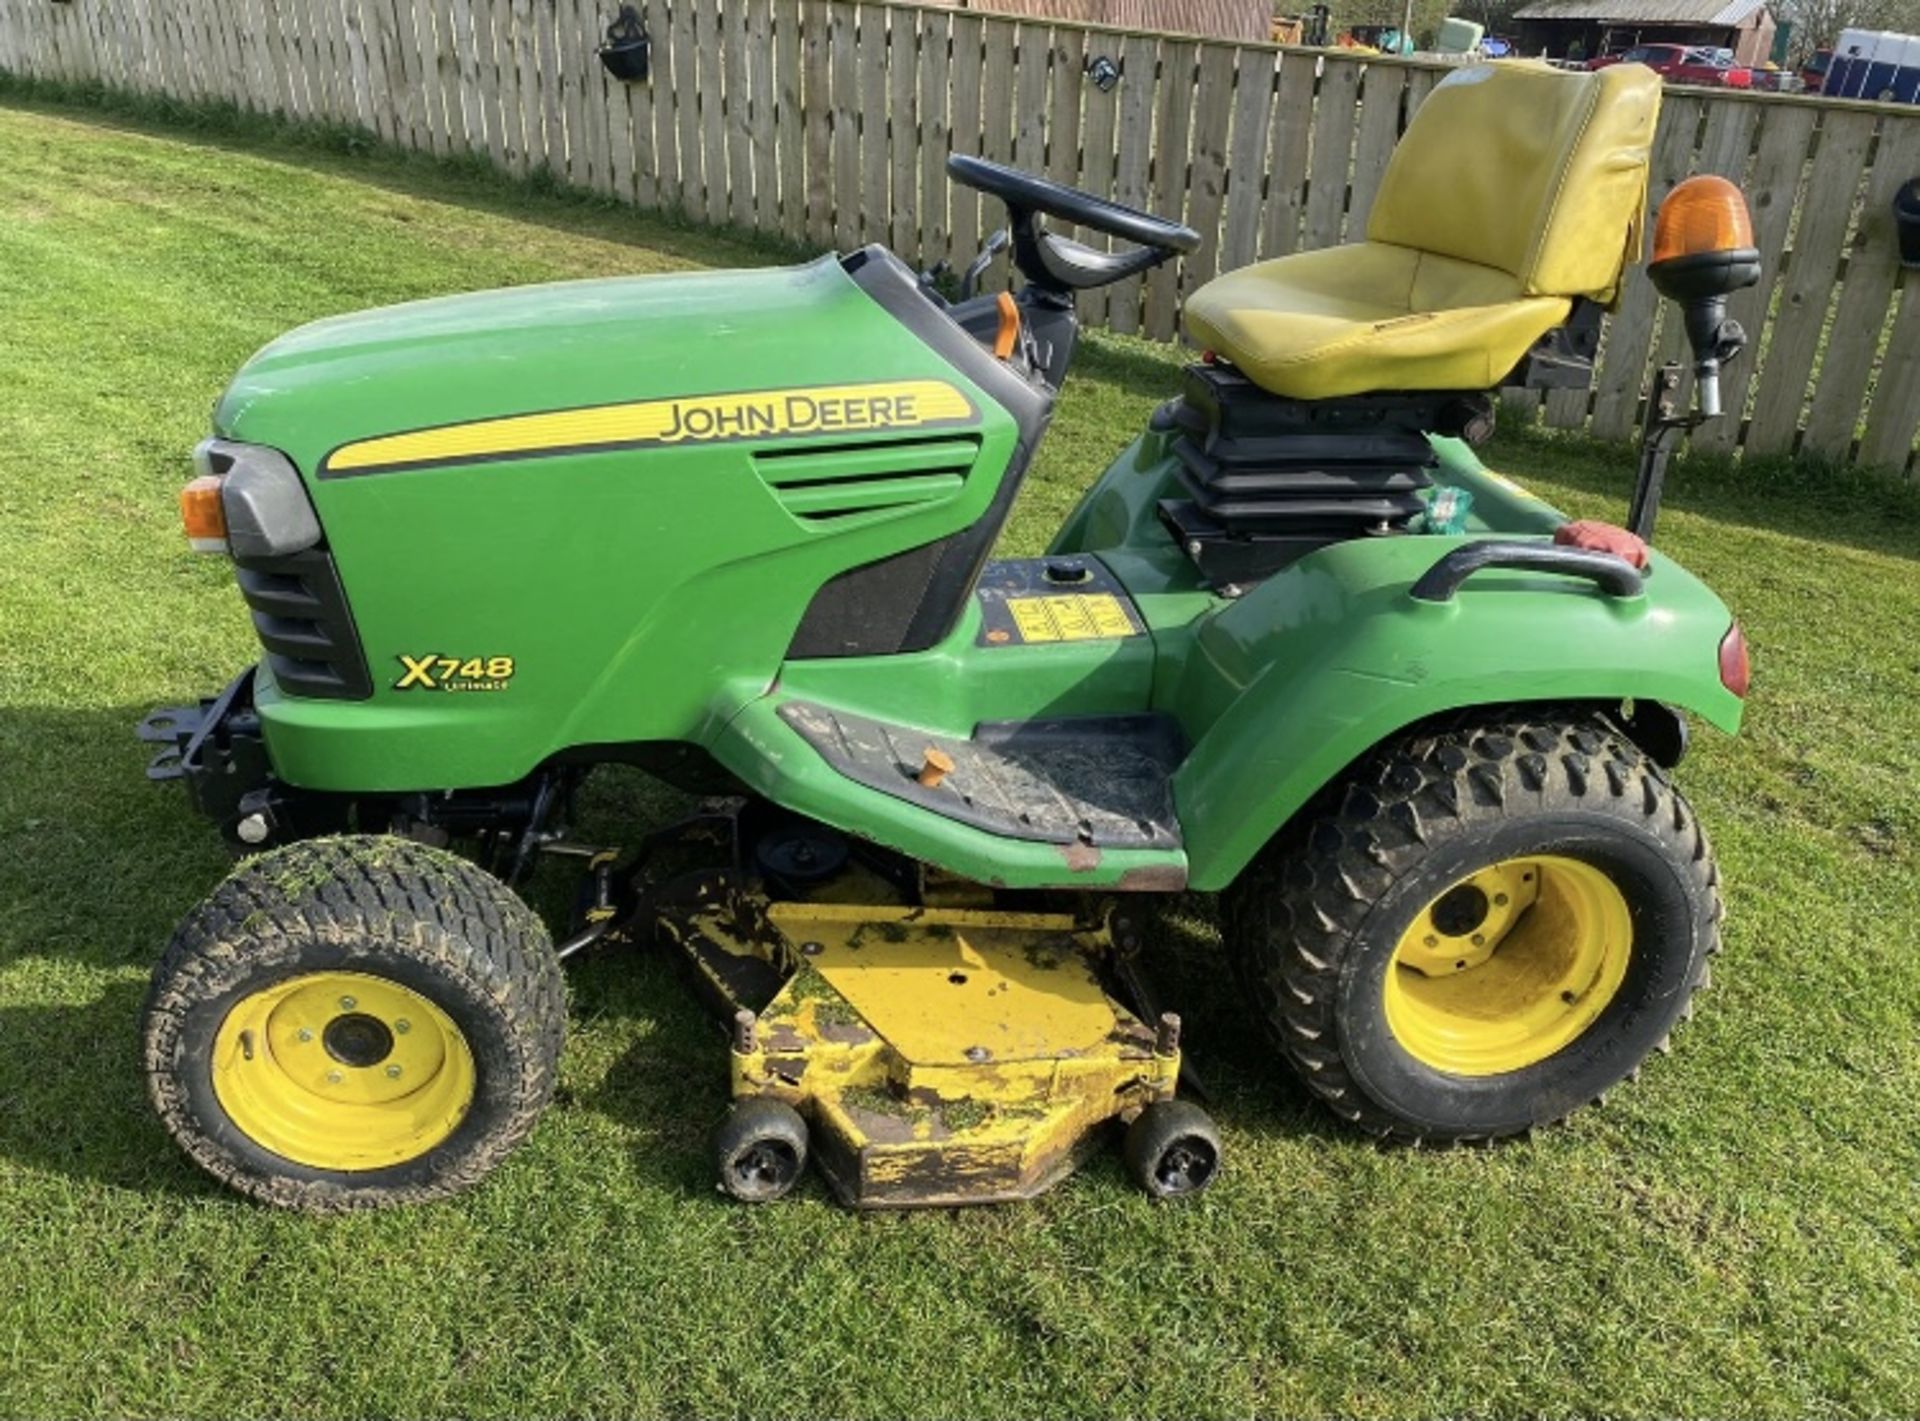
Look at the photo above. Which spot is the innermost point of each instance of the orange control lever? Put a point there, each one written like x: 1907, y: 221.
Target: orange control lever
x: 1008, y: 336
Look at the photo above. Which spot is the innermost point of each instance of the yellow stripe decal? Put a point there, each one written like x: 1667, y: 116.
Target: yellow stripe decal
x: 693, y: 419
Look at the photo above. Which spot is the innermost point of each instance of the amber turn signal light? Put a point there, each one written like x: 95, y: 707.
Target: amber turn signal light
x: 1701, y: 215
x: 203, y: 516
x: 1703, y: 242
x: 1703, y: 252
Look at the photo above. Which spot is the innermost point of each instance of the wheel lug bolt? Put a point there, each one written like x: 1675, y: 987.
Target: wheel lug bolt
x: 1499, y: 900
x: 305, y: 1035
x: 1432, y: 941
x: 1479, y: 939
x: 334, y: 1078
x: 393, y: 1073
x: 348, y: 1004
x: 403, y: 1026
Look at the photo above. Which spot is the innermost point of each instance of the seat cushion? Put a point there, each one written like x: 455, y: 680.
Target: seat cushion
x: 1518, y: 166
x: 1369, y: 316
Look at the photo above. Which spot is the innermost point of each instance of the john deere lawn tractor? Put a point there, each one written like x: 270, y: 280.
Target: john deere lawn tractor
x: 1296, y: 646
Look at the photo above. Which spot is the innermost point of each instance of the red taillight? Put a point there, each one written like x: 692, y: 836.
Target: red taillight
x: 1735, y: 670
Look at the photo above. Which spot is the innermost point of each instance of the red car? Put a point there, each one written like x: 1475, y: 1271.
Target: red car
x: 1683, y: 64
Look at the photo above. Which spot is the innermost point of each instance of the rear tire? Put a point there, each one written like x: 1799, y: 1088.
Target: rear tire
x: 353, y: 1022
x: 1548, y: 856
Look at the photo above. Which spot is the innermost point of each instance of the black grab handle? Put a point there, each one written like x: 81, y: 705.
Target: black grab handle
x: 1439, y: 582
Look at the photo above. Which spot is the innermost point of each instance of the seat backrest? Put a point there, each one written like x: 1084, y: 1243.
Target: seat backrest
x: 1529, y: 169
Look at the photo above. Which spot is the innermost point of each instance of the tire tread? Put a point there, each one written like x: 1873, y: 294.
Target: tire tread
x: 1294, y: 910
x: 416, y: 901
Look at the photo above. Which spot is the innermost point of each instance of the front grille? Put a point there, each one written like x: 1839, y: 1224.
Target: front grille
x: 301, y: 616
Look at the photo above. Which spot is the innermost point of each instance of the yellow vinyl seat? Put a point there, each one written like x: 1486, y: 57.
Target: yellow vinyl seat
x: 1516, y: 189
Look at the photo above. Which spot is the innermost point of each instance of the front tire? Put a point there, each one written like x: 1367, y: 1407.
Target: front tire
x: 1483, y: 927
x: 354, y: 1022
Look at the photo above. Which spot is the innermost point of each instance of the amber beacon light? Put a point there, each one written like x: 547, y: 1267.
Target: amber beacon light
x: 1703, y: 252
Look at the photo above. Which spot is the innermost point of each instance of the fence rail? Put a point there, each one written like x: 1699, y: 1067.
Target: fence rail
x: 829, y: 122
x: 1211, y: 19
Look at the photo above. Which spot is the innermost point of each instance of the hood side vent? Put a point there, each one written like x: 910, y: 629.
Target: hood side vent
x: 823, y: 485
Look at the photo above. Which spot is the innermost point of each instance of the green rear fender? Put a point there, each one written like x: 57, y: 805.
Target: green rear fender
x: 1288, y: 687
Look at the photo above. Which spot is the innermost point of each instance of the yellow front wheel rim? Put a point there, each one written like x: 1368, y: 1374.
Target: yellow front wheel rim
x: 342, y: 1071
x: 1508, y: 966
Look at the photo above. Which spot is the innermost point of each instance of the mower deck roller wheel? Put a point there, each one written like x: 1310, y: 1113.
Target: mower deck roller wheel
x: 1172, y: 1149
x: 1485, y: 925
x: 760, y: 1149
x: 354, y: 1022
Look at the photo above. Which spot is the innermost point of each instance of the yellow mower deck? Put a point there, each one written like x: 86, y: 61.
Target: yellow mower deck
x: 942, y: 1055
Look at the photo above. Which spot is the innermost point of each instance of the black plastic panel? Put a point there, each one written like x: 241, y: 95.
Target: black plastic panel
x: 1268, y: 480
x: 893, y: 286
x: 870, y: 610
x: 301, y: 616
x: 1231, y: 559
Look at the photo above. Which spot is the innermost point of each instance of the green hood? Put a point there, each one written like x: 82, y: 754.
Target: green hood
x: 560, y: 346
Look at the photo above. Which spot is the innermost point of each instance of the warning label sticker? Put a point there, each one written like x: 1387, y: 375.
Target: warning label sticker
x: 1043, y: 601
x: 1070, y: 617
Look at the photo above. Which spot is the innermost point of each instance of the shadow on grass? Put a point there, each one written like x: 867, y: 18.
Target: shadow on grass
x: 97, y: 866
x: 1134, y: 367
x: 97, y: 863
x: 73, y: 1100
x: 1246, y: 1082
x: 1869, y: 510
x: 668, y: 1084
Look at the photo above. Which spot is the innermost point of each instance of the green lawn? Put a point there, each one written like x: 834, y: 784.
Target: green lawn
x: 1735, y: 1235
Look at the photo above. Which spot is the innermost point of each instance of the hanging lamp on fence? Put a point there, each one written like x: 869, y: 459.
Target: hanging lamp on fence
x: 625, y: 52
x: 1906, y: 222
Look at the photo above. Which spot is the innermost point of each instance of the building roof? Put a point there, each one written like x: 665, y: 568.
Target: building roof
x: 1645, y: 12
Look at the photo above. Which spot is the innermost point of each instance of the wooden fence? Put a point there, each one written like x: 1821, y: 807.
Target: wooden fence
x: 829, y: 122
x: 1206, y: 19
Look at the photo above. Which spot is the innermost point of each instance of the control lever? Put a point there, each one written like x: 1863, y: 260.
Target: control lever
x: 930, y: 280
x: 996, y: 243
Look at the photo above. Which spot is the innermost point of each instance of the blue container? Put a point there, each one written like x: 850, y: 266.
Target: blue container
x: 1906, y: 77
x: 1852, y: 62
x: 1877, y: 65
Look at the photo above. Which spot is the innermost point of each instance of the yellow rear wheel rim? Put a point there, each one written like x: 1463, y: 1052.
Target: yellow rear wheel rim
x: 342, y: 1071
x: 1508, y: 966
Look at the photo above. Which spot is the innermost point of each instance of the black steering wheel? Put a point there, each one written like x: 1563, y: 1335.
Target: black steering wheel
x: 1058, y: 264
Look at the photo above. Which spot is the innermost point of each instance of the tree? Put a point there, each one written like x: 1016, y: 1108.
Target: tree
x: 1496, y: 15
x: 1427, y: 14
x: 1817, y: 23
